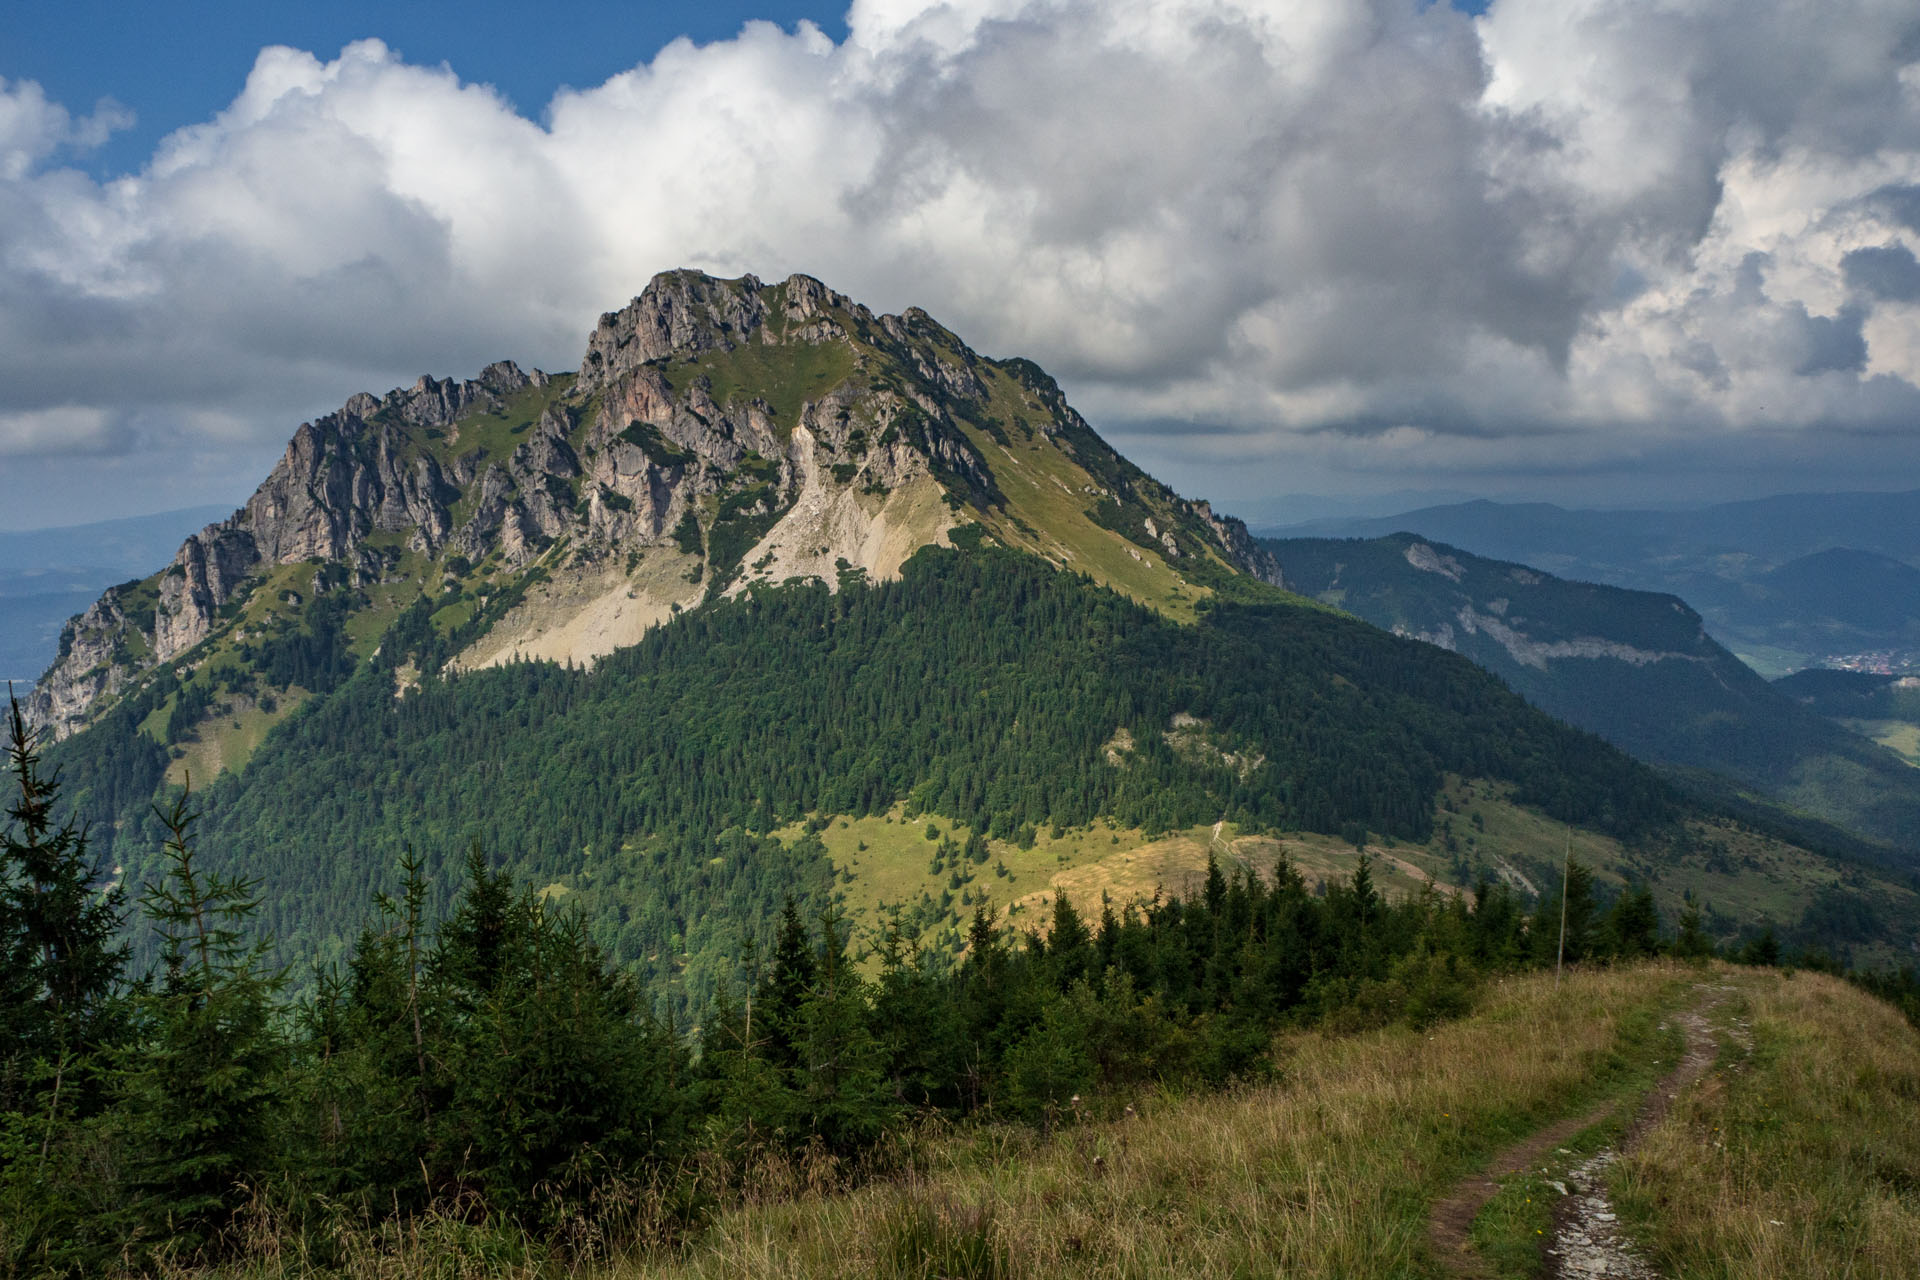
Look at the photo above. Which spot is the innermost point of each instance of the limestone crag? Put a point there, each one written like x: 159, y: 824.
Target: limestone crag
x: 656, y: 451
x: 523, y: 506
x: 680, y: 313
x: 734, y: 431
x: 93, y: 666
x: 1243, y: 549
x: 343, y: 477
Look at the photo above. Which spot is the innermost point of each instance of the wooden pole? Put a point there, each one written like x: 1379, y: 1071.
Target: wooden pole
x: 1566, y: 864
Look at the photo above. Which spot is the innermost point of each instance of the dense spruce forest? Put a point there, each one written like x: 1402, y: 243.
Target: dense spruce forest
x: 982, y: 685
x: 498, y: 1067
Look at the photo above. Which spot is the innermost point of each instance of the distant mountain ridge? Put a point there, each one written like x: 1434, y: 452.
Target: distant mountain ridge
x: 1780, y: 527
x: 1861, y: 590
x: 1637, y: 668
x: 124, y: 545
x: 1737, y: 563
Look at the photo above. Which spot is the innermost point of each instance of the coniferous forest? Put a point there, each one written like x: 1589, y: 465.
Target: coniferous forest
x: 498, y: 1063
x: 980, y: 686
x: 326, y: 985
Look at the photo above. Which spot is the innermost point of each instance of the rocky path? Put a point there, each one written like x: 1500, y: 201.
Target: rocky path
x: 1587, y: 1243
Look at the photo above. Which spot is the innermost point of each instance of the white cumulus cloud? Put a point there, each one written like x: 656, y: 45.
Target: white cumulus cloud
x: 1360, y: 234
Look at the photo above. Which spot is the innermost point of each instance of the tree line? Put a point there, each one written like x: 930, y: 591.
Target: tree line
x: 981, y: 685
x: 496, y: 1063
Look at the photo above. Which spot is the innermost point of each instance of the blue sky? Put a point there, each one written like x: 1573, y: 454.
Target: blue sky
x: 1601, y: 251
x: 175, y: 62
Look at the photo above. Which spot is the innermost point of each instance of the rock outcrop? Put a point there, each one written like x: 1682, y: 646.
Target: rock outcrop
x: 343, y: 477
x: 765, y: 432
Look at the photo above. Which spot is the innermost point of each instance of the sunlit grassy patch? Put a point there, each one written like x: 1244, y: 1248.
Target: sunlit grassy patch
x: 1902, y: 737
x: 1327, y: 1173
x: 887, y: 861
x: 232, y: 731
x: 1801, y: 1156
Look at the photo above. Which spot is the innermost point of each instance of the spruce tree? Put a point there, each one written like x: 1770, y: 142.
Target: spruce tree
x: 841, y: 1071
x: 1069, y: 946
x: 553, y: 1071
x: 62, y: 1014
x: 790, y: 980
x: 1633, y: 925
x: 61, y: 958
x: 1693, y: 942
x: 372, y: 1080
x: 203, y: 1084
x: 1574, y: 903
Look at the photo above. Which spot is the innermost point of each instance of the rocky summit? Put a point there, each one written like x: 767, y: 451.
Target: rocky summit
x: 718, y: 434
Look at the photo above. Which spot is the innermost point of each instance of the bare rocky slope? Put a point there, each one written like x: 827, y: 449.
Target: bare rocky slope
x: 562, y: 516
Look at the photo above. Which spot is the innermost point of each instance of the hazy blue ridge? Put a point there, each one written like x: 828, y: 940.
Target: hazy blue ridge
x: 1785, y: 582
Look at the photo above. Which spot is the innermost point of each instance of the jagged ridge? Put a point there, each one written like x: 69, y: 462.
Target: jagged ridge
x: 718, y: 433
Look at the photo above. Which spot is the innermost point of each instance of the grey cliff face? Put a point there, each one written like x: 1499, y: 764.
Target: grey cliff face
x: 613, y: 463
x: 90, y: 650
x: 341, y: 479
x: 1243, y: 550
x: 679, y: 313
x: 655, y: 452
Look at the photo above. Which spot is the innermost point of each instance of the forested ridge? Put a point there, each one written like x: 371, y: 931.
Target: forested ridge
x: 982, y: 685
x: 1683, y: 701
x: 496, y: 1073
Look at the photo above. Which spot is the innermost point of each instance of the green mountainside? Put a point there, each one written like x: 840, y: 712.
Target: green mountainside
x: 655, y: 633
x: 1637, y: 668
x: 793, y: 759
x: 983, y: 687
x: 1885, y: 708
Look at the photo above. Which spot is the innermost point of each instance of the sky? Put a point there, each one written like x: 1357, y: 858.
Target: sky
x: 1622, y: 252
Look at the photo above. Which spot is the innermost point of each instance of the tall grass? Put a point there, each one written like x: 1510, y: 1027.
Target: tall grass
x: 1801, y: 1156
x: 1327, y: 1172
x: 1328, y: 1169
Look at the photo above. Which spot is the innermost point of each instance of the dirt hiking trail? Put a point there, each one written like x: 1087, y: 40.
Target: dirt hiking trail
x: 1586, y: 1243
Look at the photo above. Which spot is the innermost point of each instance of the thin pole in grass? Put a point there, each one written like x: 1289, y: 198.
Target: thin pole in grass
x: 1566, y: 864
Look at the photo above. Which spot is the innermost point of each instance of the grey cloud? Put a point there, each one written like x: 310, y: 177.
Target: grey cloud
x: 1834, y: 344
x: 1899, y: 204
x: 1351, y: 225
x: 1889, y: 272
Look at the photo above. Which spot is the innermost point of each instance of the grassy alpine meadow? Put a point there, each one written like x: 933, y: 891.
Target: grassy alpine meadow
x: 1800, y: 1155
x: 1327, y: 1170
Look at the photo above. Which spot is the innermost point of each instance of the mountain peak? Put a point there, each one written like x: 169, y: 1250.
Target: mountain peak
x: 683, y: 313
x: 719, y: 434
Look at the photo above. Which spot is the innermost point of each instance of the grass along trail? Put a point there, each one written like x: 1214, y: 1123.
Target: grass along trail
x: 1799, y: 1155
x: 1326, y: 1170
x: 1585, y: 1241
x: 1588, y: 1243
x: 1786, y: 1143
x: 1450, y: 1226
